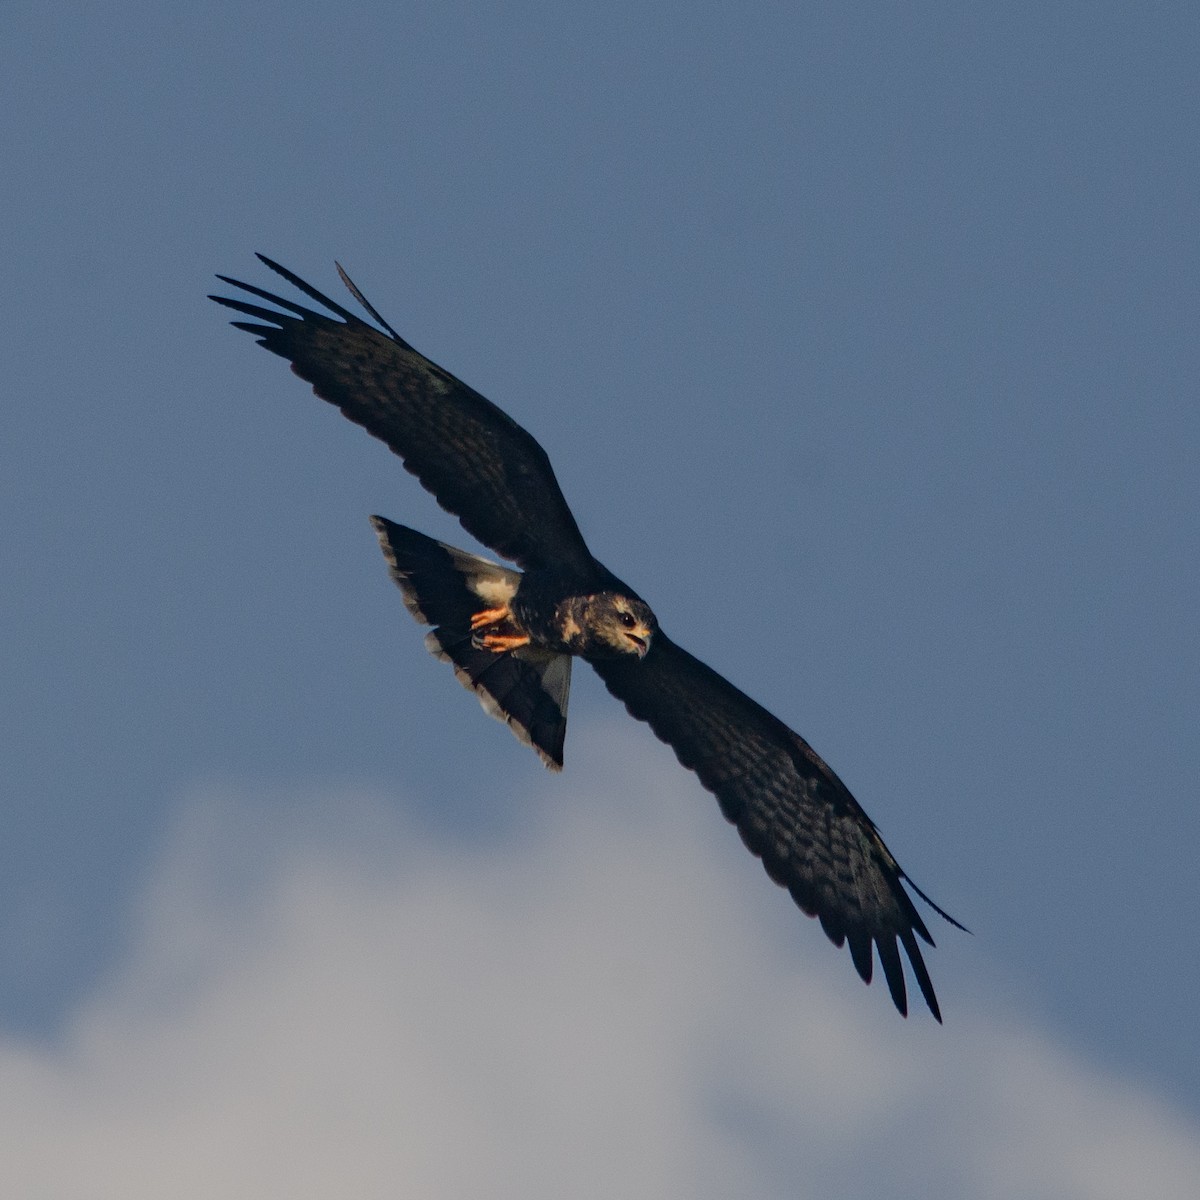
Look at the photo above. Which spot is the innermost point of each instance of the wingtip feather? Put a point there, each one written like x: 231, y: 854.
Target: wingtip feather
x: 356, y: 292
x: 941, y: 912
x: 307, y: 288
x: 893, y: 972
x: 922, y: 975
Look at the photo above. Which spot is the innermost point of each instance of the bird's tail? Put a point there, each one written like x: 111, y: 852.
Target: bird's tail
x: 524, y: 686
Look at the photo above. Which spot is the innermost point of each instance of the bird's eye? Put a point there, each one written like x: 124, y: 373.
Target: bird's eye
x: 626, y: 619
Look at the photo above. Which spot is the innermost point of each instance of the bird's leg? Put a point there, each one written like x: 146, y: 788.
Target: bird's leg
x: 494, y: 629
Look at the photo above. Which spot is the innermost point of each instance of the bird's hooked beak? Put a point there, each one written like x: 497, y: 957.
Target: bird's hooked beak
x: 640, y: 636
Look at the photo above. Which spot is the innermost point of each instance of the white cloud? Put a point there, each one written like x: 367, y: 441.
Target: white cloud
x: 322, y: 1000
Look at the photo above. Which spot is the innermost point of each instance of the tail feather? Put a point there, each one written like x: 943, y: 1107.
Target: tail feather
x: 526, y: 688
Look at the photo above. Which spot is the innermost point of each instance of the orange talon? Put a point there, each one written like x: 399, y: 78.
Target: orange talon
x: 489, y: 616
x: 498, y: 643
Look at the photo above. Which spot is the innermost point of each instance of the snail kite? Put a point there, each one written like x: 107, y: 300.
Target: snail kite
x: 511, y: 635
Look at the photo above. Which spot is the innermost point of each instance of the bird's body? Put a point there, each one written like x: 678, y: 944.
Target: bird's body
x: 511, y: 635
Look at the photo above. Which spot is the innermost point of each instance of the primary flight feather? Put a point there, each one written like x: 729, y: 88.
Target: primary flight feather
x: 511, y: 635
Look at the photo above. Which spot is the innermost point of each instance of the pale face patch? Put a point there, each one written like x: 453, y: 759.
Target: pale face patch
x: 623, y: 624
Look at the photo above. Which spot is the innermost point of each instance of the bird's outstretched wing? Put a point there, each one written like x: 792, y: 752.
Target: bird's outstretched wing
x: 790, y: 808
x: 476, y: 460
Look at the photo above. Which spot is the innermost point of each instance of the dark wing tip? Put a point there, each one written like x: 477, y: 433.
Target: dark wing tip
x: 893, y: 972
x: 861, y: 942
x: 307, y: 288
x: 941, y: 912
x: 355, y: 291
x: 922, y: 974
x: 311, y: 292
x: 860, y: 952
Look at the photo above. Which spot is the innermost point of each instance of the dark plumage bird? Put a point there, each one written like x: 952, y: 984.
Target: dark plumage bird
x: 511, y: 634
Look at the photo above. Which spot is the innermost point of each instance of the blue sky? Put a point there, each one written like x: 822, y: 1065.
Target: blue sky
x: 864, y: 345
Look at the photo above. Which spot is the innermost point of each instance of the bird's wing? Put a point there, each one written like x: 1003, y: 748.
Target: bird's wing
x: 791, y: 810
x: 476, y: 460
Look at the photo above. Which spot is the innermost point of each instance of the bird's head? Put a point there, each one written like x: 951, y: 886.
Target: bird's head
x: 619, y: 624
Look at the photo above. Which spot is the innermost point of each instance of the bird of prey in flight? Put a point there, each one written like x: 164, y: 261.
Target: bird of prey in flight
x: 511, y: 634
